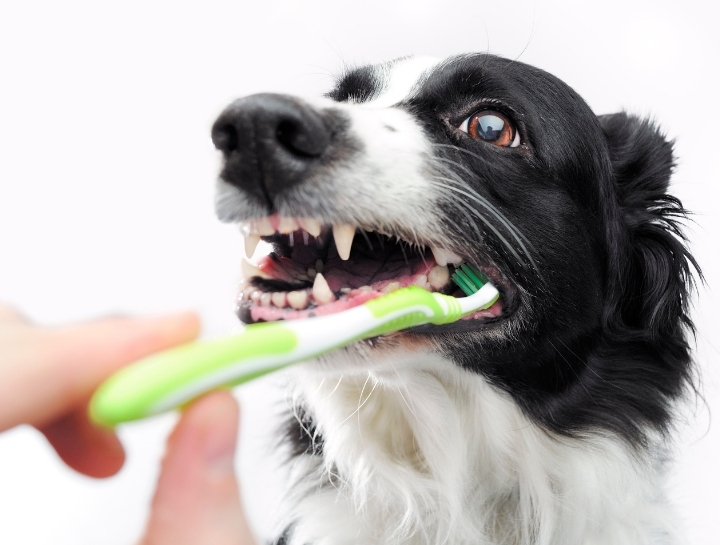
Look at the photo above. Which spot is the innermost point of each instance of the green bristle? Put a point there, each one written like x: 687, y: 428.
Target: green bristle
x: 469, y: 279
x: 478, y: 278
x: 463, y: 282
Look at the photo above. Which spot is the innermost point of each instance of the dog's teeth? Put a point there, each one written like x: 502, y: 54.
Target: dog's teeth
x: 321, y: 291
x: 262, y: 227
x: 443, y: 257
x: 306, y: 237
x: 365, y: 288
x: 255, y: 296
x: 311, y: 272
x: 392, y: 286
x: 344, y: 235
x: 265, y: 299
x: 251, y: 242
x: 438, y: 276
x: 345, y: 291
x: 279, y: 299
x: 311, y: 225
x: 247, y: 292
x: 421, y: 281
x: 298, y: 299
x: 287, y: 225
x: 319, y: 266
x: 249, y: 270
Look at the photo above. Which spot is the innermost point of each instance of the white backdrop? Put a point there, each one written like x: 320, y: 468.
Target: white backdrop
x: 107, y: 170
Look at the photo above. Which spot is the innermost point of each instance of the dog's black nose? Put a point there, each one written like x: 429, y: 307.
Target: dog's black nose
x: 269, y: 142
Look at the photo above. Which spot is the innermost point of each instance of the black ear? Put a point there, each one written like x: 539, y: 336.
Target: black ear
x: 653, y: 275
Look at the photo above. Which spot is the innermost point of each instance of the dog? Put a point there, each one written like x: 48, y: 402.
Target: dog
x: 544, y: 419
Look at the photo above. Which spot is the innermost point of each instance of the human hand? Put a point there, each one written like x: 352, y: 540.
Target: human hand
x: 47, y: 375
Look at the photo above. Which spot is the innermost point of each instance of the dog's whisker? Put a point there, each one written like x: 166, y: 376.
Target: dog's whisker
x: 484, y: 202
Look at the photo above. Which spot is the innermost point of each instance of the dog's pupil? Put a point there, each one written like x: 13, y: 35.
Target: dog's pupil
x: 490, y: 127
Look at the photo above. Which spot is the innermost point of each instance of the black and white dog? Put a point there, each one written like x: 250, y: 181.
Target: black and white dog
x: 542, y: 420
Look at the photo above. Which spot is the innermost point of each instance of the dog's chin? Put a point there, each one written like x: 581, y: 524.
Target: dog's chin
x: 315, y: 270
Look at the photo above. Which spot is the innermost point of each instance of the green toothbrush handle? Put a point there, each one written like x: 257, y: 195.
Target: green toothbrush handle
x: 171, y: 378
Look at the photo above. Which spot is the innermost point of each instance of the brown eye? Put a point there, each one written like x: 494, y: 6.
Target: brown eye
x: 493, y: 127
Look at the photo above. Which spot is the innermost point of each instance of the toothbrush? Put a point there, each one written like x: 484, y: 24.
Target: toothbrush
x: 171, y: 378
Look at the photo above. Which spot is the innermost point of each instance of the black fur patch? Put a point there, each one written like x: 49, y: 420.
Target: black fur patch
x: 300, y: 433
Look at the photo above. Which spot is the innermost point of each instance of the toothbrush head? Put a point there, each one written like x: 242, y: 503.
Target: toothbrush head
x: 469, y: 279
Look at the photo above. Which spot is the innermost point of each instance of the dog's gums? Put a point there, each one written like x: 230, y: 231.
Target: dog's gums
x: 315, y: 270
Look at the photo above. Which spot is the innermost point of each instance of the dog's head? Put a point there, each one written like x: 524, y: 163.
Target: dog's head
x: 406, y: 169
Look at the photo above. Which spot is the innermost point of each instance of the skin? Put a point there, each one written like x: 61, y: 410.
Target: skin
x: 47, y: 376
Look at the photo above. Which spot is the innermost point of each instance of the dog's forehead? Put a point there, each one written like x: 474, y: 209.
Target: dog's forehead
x: 383, y: 85
x: 400, y: 79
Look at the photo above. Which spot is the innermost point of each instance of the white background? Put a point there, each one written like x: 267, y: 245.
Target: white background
x: 107, y: 170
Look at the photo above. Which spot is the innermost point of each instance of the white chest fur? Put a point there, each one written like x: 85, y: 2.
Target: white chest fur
x: 420, y: 451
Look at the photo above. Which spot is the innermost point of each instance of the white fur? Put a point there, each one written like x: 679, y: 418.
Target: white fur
x: 419, y: 451
x: 401, y: 78
x: 388, y: 184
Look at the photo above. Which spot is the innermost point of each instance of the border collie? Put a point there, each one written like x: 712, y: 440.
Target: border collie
x: 543, y: 420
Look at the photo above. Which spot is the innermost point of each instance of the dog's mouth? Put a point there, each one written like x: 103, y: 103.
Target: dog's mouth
x: 316, y: 269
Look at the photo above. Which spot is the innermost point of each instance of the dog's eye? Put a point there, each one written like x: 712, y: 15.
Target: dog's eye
x: 493, y: 127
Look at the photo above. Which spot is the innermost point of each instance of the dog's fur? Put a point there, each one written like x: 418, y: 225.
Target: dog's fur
x: 547, y: 425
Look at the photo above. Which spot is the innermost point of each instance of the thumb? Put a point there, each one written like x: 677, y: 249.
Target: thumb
x: 197, y: 499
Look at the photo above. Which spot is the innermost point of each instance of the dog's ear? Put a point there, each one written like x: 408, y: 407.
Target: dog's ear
x: 652, y: 272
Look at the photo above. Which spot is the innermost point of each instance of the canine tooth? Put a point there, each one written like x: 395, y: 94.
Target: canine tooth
x: 287, y: 225
x: 249, y: 270
x: 344, y: 235
x: 438, y: 276
x: 392, y: 286
x: 319, y: 265
x: 311, y: 272
x: 311, y: 225
x: 251, y: 242
x: 279, y: 299
x: 321, y: 291
x: 443, y: 257
x: 265, y: 299
x: 298, y: 299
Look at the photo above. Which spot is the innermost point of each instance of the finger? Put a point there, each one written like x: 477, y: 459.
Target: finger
x: 197, y: 499
x: 84, y: 447
x: 50, y: 371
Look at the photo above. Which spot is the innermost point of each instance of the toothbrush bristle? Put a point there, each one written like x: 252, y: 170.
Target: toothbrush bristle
x: 469, y: 279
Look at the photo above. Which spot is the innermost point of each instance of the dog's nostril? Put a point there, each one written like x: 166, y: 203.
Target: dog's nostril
x: 300, y: 140
x: 225, y: 138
